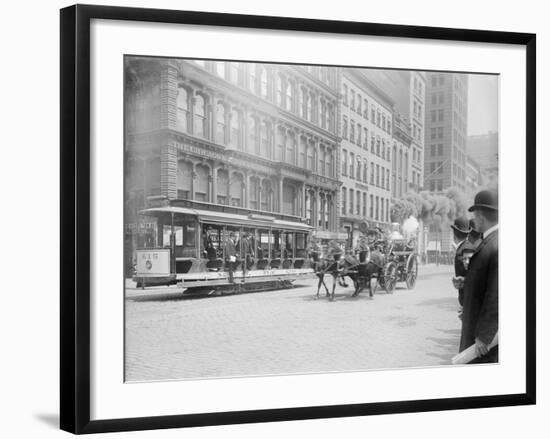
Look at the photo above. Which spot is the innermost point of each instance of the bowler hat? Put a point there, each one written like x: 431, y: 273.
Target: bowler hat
x: 485, y: 200
x: 461, y: 225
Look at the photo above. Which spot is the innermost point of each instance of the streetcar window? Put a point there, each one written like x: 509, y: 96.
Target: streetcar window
x: 300, y: 245
x: 289, y: 245
x: 276, y: 244
x: 211, y: 241
x: 167, y: 230
x: 263, y: 244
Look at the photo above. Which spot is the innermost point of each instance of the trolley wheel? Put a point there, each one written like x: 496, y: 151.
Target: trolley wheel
x: 412, y: 271
x: 390, y: 277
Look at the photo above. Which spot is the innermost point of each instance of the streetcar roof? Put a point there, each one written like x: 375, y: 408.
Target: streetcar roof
x: 210, y: 216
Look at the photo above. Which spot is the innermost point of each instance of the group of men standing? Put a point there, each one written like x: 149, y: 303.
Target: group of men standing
x: 476, y: 277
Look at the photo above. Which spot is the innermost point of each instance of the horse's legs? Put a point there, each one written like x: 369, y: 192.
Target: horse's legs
x: 334, y: 281
x: 325, y: 285
x: 320, y: 276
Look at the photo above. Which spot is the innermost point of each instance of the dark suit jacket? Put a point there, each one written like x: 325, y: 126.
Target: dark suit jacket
x: 480, y: 312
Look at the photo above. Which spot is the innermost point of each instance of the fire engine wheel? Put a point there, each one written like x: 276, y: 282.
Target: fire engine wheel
x: 390, y: 277
x: 412, y: 271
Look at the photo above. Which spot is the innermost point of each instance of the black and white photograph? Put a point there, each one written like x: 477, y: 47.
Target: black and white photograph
x: 288, y: 219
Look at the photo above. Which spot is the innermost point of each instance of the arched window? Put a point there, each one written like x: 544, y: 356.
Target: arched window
x: 312, y: 108
x: 265, y: 149
x: 279, y: 91
x: 254, y: 193
x: 289, y: 96
x: 358, y: 170
x: 252, y: 134
x: 222, y: 187
x: 310, y: 157
x: 290, y: 149
x: 323, y: 115
x: 302, y: 103
x: 267, y: 196
x: 328, y: 118
x: 184, y: 179
x: 322, y: 161
x: 344, y: 201
x: 235, y: 135
x: 308, y: 114
x: 328, y: 161
x: 236, y: 190
x: 303, y: 147
x: 280, y: 147
x: 220, y: 123
x: 365, y: 168
x: 183, y: 109
x: 199, y: 116
x: 201, y: 186
x: 289, y: 199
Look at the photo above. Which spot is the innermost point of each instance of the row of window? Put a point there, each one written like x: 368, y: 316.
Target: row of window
x: 438, y: 98
x: 357, y: 169
x: 378, y: 207
x: 437, y: 115
x: 436, y: 150
x: 193, y: 182
x: 436, y: 133
x: 231, y: 126
x: 281, y: 88
x: 438, y: 80
x: 360, y: 105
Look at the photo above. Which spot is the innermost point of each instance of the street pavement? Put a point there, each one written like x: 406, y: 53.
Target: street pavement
x: 289, y: 331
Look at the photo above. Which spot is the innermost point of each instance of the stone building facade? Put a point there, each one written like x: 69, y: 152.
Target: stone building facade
x: 446, y: 131
x: 261, y: 137
x: 365, y: 153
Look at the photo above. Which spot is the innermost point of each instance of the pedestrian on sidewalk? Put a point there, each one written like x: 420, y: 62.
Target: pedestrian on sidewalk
x: 480, y: 302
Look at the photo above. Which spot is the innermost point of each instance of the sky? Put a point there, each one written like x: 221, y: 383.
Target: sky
x: 482, y: 104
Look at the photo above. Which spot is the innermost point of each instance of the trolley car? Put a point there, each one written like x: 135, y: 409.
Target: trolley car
x: 190, y: 250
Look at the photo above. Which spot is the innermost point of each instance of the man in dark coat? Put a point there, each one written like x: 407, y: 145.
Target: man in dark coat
x: 230, y: 251
x: 480, y: 312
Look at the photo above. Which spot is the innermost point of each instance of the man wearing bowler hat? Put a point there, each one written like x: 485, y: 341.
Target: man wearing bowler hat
x: 480, y: 300
x: 464, y: 250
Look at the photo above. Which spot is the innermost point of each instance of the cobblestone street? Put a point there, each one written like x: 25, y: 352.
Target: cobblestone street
x: 289, y: 331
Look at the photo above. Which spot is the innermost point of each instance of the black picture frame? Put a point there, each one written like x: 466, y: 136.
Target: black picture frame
x: 75, y: 217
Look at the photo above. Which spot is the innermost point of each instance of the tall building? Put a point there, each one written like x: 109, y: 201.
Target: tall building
x: 365, y: 153
x: 445, y: 131
x: 260, y: 137
x: 483, y: 149
x: 407, y: 89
